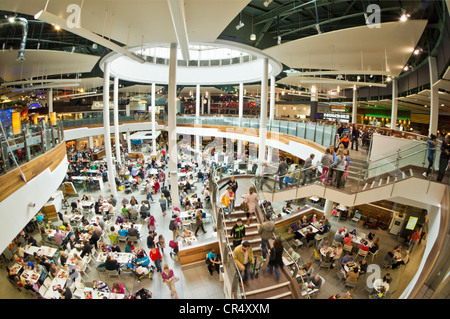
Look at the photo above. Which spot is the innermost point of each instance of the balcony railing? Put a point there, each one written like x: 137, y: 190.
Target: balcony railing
x: 33, y: 140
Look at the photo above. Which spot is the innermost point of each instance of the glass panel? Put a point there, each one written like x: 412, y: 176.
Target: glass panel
x: 319, y: 134
x: 301, y: 129
x: 284, y: 127
x: 275, y: 126
x: 292, y: 128
x: 310, y: 129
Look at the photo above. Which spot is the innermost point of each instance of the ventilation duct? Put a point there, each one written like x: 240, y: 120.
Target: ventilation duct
x: 24, y: 24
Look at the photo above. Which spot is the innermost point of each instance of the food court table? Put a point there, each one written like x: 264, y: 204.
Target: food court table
x: 58, y: 282
x: 350, y: 265
x: 43, y: 250
x: 378, y: 283
x: 324, y: 251
x: 30, y: 275
x: 90, y: 293
x: 122, y: 258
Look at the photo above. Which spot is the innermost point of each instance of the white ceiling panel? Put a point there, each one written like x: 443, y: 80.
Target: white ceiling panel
x: 361, y: 48
x: 134, y: 22
x: 44, y: 63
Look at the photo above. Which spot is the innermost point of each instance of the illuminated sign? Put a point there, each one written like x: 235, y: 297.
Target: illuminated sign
x: 412, y: 223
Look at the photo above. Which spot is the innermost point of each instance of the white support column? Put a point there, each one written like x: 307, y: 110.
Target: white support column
x: 107, y: 130
x: 91, y: 142
x: 171, y: 100
x: 272, y: 98
x: 354, y: 105
x: 50, y: 101
x: 263, y: 113
x: 153, y: 118
x: 434, y: 97
x: 198, y: 106
x: 128, y: 141
x: 116, y: 118
x: 327, y: 208
x: 394, y: 108
x: 241, y: 101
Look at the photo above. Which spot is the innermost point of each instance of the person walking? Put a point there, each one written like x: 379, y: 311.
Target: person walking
x: 339, y: 167
x: 163, y: 204
x: 431, y: 152
x: 326, y: 162
x: 266, y: 230
x: 355, y: 136
x: 276, y: 258
x: 199, y: 222
x: 283, y: 168
x: 169, y: 278
x: 238, y: 232
x: 251, y: 200
x: 244, y: 259
x: 308, y: 169
x: 444, y: 158
x: 156, y: 257
x: 415, y: 237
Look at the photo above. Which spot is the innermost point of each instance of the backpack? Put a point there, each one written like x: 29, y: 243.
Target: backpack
x: 172, y: 225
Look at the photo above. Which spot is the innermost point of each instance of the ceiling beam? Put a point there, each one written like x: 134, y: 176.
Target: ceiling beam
x: 176, y: 8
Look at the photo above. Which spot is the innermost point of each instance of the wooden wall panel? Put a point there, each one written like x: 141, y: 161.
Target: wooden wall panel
x: 197, y: 253
x: 12, y: 181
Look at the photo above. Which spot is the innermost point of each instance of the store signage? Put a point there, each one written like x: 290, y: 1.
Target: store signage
x: 412, y: 223
x: 336, y: 108
x: 98, y: 105
x: 337, y: 116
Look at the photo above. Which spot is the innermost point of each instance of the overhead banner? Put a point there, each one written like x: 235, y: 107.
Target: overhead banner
x: 98, y: 105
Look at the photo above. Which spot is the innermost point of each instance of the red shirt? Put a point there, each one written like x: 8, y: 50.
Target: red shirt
x: 415, y: 237
x: 155, y: 255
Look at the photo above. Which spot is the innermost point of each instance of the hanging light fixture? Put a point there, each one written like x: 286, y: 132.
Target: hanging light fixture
x: 252, y: 36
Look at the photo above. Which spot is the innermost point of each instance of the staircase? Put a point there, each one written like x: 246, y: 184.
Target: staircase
x: 265, y: 286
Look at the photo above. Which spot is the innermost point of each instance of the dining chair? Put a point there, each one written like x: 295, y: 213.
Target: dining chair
x: 373, y: 254
x: 112, y: 274
x: 326, y: 265
x: 340, y: 275
x: 351, y: 284
x: 362, y: 253
x: 348, y: 248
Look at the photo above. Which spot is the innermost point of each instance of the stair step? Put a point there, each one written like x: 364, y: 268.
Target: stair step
x: 261, y: 290
x: 280, y: 296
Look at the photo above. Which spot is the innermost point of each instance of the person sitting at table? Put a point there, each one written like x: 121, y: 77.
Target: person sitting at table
x: 133, y: 201
x: 122, y: 231
x: 287, y: 209
x: 63, y: 258
x: 324, y: 229
x: 387, y: 278
x: 304, y: 221
x: 327, y: 258
x: 380, y: 293
x: 347, y: 240
x: 352, y: 275
x: 347, y: 258
x: 54, y: 269
x: 93, y: 239
x: 87, y: 248
x: 65, y: 293
x: 308, y: 236
x: 78, y: 262
x: 307, y: 269
x: 98, y: 230
x: 339, y: 237
x: 293, y: 255
x: 100, y: 286
x: 375, y: 245
x: 363, y: 267
x: 111, y: 263
x: 315, y: 282
x: 338, y: 250
x: 370, y: 236
x: 324, y: 243
x: 364, y: 245
x: 103, y: 247
x: 129, y: 247
x: 132, y: 231
x: 125, y: 201
x: 58, y: 237
x: 115, y: 248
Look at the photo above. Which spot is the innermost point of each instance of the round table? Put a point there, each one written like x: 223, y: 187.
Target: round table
x: 377, y: 284
x: 324, y: 251
x: 347, y: 268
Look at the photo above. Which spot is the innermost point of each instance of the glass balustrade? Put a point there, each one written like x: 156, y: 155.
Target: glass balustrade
x: 33, y: 140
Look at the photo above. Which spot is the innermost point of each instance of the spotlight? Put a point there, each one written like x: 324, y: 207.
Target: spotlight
x: 240, y: 25
x: 267, y: 2
x: 389, y: 79
x: 57, y: 27
x: 416, y: 52
x: 11, y: 19
x: 253, y: 37
x: 278, y: 40
x: 406, y: 68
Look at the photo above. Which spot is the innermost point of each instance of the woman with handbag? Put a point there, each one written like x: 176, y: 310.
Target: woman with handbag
x: 169, y: 278
x: 276, y: 258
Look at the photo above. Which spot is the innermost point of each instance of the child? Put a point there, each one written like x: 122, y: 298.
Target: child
x: 258, y: 263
